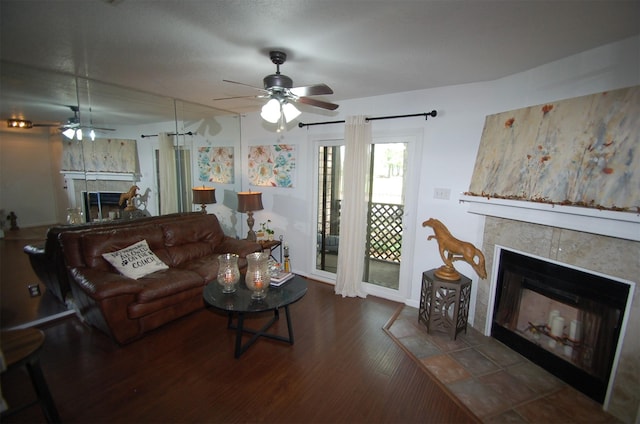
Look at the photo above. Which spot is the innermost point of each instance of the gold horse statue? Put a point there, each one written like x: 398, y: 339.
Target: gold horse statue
x: 456, y: 250
x: 129, y: 196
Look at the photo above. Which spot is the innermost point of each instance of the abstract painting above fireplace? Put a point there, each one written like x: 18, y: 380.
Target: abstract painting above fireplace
x: 583, y: 151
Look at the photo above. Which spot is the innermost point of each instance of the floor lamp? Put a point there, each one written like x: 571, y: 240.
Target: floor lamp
x: 249, y: 201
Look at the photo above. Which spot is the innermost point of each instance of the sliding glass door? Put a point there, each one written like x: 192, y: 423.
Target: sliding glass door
x: 386, y: 225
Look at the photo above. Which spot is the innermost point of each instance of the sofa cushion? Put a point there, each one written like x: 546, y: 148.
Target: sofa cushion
x: 135, y: 261
x: 208, y: 230
x: 167, y: 283
x: 95, y: 243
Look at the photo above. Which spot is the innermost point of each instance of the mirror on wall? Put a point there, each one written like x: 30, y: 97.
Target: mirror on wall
x: 123, y: 134
x: 211, y: 144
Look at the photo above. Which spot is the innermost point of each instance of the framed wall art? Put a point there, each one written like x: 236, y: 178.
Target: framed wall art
x: 272, y: 165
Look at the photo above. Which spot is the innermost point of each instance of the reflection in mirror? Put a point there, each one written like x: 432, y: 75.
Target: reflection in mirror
x: 60, y: 173
x: 213, y: 148
x: 30, y: 179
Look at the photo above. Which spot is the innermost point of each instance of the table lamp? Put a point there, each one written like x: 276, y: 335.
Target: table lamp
x: 204, y: 196
x: 249, y: 201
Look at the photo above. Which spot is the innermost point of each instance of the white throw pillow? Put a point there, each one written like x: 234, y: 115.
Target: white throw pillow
x: 135, y: 261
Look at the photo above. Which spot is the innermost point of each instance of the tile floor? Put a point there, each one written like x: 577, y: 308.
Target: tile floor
x: 495, y: 383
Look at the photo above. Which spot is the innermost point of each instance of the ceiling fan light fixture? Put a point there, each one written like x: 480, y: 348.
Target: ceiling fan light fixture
x: 271, y: 111
x: 69, y: 133
x: 79, y: 134
x: 290, y: 112
x: 92, y: 135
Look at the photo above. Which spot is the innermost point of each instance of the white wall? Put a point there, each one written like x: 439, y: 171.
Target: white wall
x: 30, y: 184
x: 450, y: 145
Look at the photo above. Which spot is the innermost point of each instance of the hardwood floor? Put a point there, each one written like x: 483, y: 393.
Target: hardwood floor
x: 342, y: 368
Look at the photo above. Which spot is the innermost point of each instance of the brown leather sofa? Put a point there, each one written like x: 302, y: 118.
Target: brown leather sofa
x: 47, y: 260
x: 125, y: 308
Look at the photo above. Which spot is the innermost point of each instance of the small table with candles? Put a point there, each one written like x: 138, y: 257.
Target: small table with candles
x: 240, y: 303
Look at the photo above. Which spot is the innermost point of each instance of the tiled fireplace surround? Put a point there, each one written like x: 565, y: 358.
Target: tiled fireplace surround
x: 613, y: 256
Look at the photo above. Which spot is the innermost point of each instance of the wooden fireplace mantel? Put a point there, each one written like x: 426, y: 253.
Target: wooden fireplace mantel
x: 625, y: 225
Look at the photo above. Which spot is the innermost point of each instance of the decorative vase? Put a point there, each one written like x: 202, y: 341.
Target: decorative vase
x: 258, y: 277
x: 74, y: 216
x: 228, y: 272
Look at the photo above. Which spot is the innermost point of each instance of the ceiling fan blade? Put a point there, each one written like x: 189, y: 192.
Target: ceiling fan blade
x: 46, y: 125
x: 99, y: 129
x: 246, y: 85
x: 311, y: 90
x: 236, y: 97
x: 317, y: 103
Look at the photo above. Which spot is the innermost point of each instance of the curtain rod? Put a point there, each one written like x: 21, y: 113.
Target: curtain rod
x: 155, y: 135
x: 433, y: 114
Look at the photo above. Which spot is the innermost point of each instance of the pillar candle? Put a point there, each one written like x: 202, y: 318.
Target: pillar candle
x: 554, y: 313
x: 556, y: 326
x: 575, y: 328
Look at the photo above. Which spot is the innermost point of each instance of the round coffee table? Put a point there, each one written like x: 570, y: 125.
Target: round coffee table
x: 240, y: 303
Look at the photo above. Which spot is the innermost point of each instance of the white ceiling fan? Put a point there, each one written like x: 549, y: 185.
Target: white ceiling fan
x: 72, y: 127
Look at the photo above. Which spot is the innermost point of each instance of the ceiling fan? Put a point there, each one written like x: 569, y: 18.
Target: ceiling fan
x: 72, y: 127
x: 279, y: 89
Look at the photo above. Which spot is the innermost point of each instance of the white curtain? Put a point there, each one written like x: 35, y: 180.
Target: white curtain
x: 353, y: 216
x: 168, y: 179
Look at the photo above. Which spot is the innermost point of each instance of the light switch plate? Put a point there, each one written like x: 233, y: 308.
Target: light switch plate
x: 442, y: 193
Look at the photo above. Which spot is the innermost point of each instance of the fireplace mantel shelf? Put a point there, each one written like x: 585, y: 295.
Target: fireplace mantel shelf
x: 624, y: 225
x: 99, y: 175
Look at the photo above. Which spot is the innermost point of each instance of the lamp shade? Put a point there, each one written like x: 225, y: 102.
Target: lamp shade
x: 204, y: 195
x: 249, y: 201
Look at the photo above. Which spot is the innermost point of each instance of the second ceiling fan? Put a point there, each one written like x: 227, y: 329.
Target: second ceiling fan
x: 72, y: 127
x: 279, y: 89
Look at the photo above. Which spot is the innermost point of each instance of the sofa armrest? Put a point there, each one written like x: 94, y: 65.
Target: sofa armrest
x: 47, y: 271
x: 100, y: 285
x: 240, y: 247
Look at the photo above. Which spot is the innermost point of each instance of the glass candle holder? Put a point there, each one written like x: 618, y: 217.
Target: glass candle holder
x: 258, y: 277
x: 228, y: 272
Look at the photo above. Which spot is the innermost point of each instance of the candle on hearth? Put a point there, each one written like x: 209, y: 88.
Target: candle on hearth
x: 557, y: 326
x: 554, y: 313
x: 575, y: 328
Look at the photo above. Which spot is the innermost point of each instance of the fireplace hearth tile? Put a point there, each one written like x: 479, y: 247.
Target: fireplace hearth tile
x: 545, y: 411
x: 535, y: 378
x: 445, y: 368
x: 508, y: 387
x: 479, y: 398
x: 403, y: 329
x: 499, y: 353
x: 580, y: 407
x: 515, y: 393
x: 419, y: 346
x: 475, y: 362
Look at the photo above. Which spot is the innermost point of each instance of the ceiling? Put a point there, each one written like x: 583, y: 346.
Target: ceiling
x: 360, y: 48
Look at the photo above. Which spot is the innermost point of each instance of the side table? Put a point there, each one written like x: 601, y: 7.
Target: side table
x: 272, y: 245
x: 444, y: 305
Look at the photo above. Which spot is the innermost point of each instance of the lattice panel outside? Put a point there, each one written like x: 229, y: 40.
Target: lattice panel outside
x: 385, y: 237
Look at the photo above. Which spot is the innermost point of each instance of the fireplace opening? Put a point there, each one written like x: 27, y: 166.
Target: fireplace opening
x: 101, y: 205
x: 565, y: 320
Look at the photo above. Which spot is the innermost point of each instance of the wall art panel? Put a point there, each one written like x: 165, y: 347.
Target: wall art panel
x: 583, y: 151
x: 272, y: 166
